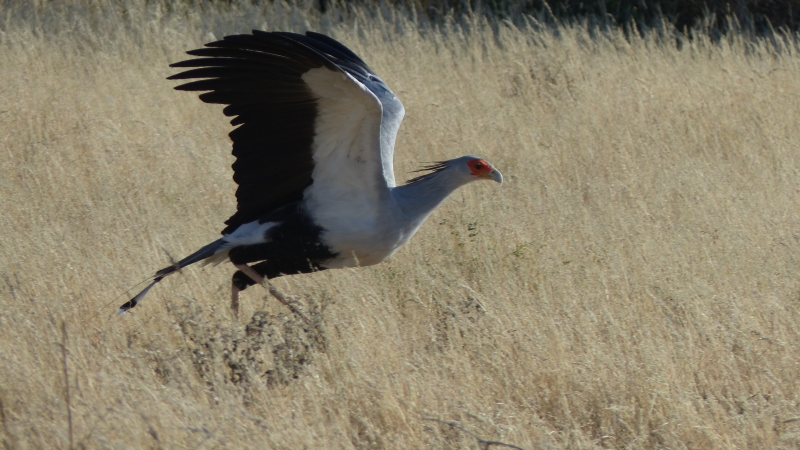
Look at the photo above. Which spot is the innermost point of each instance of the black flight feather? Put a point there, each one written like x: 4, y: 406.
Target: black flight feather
x: 259, y: 78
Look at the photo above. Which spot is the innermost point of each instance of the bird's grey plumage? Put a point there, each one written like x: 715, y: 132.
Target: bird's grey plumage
x: 314, y: 145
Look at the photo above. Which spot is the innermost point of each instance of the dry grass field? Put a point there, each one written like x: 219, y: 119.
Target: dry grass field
x: 635, y: 283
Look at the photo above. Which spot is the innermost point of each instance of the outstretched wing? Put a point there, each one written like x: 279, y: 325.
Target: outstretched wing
x: 309, y: 112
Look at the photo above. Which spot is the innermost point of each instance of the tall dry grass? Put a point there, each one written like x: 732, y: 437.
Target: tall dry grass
x: 634, y: 283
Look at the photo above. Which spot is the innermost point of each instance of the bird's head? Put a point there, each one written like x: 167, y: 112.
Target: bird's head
x: 482, y: 169
x: 460, y: 171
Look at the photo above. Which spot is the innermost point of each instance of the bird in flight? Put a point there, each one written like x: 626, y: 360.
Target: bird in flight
x: 314, y: 145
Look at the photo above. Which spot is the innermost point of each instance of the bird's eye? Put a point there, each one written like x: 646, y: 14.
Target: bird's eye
x: 479, y: 167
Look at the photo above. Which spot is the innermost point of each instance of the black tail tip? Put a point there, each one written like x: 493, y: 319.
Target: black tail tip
x: 135, y: 300
x: 128, y: 305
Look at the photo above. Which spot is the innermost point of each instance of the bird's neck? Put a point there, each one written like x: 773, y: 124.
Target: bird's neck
x: 416, y: 201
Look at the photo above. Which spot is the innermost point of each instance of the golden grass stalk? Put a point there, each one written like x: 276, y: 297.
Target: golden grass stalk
x: 633, y: 284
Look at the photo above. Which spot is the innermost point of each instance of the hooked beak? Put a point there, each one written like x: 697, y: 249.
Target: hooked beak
x: 494, y: 175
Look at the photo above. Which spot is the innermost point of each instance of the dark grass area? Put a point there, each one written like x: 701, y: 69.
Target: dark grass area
x: 717, y: 16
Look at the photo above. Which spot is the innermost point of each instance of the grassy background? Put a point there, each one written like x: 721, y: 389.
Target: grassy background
x: 633, y: 284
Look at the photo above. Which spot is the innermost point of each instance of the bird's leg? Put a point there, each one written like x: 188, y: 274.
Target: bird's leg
x: 247, y: 270
x: 287, y: 301
x: 235, y: 299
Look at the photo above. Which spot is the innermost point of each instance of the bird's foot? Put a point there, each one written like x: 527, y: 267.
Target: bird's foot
x: 288, y: 301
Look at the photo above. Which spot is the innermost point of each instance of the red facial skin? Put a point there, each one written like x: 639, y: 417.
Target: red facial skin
x: 480, y: 168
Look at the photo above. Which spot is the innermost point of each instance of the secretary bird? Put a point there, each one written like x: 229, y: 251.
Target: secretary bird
x: 313, y: 147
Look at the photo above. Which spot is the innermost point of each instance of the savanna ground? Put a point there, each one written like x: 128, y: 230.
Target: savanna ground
x: 635, y: 283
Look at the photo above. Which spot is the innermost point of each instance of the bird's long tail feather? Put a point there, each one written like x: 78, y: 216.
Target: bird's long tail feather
x: 205, y: 252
